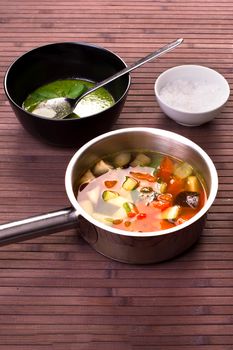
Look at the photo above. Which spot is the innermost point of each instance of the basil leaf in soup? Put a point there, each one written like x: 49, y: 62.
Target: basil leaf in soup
x: 93, y: 103
x: 71, y: 88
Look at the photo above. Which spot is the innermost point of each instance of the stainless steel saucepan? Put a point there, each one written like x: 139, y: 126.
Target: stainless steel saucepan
x: 128, y: 247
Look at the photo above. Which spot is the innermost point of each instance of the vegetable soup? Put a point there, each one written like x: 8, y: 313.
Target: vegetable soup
x: 141, y: 191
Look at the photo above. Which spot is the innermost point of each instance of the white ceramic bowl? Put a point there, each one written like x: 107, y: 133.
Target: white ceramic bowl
x: 190, y: 94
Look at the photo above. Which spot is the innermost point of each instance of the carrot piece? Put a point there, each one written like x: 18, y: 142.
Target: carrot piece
x: 161, y: 205
x: 166, y: 197
x: 110, y: 183
x: 143, y: 176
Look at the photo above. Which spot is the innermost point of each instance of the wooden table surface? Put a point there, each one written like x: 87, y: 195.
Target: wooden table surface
x: 56, y: 292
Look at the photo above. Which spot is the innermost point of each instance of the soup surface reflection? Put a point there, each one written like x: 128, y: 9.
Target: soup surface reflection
x: 141, y: 191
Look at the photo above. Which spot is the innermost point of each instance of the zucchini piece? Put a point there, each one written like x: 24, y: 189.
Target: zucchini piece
x: 171, y: 213
x: 183, y: 170
x: 107, y: 195
x: 140, y: 159
x: 163, y: 187
x: 130, y: 208
x: 160, y: 186
x: 130, y: 183
x: 101, y: 168
x: 122, y: 159
x: 193, y: 184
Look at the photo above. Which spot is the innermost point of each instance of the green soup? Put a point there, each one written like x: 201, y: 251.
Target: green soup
x: 93, y: 103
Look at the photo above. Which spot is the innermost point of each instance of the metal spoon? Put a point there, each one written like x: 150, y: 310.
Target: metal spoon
x: 59, y: 108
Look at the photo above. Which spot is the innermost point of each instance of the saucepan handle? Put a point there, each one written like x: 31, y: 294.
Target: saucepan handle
x: 36, y: 226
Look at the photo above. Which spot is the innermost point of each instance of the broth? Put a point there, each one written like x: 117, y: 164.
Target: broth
x: 141, y: 191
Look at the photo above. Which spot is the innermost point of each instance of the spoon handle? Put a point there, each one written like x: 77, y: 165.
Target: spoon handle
x: 137, y: 64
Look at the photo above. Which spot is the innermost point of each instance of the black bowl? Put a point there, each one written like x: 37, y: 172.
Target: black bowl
x: 60, y: 61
